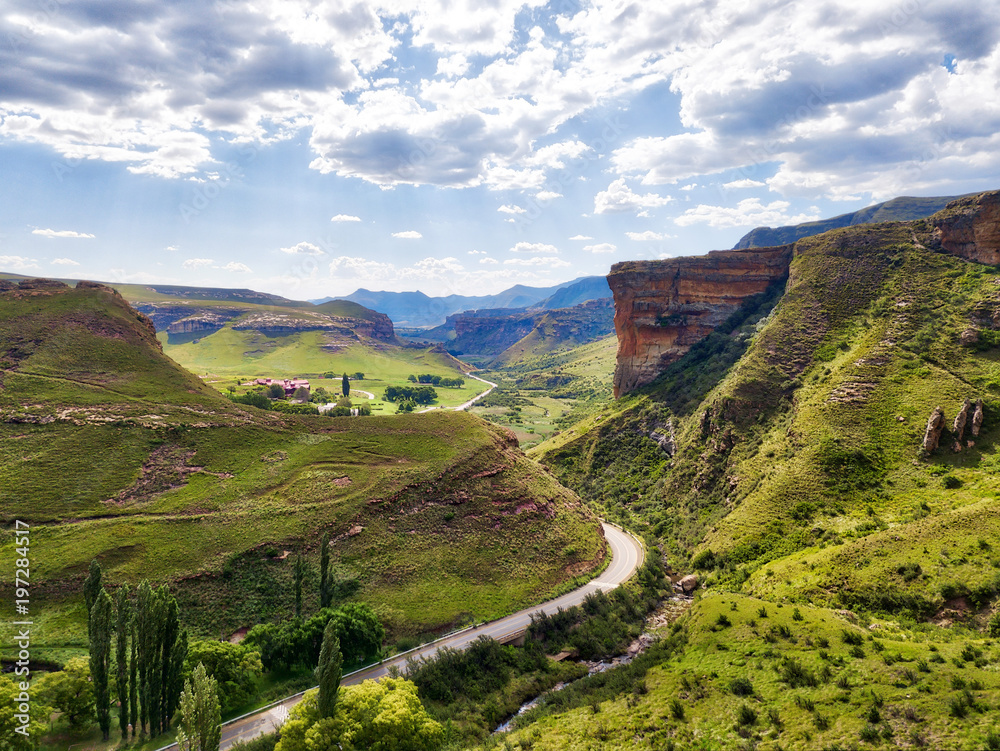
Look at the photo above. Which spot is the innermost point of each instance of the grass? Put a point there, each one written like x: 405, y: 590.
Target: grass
x: 690, y: 699
x: 436, y: 518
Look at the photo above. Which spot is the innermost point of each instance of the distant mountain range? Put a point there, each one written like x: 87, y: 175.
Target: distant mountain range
x: 417, y: 310
x: 901, y: 209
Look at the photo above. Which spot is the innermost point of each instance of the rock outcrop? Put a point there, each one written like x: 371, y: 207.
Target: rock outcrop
x: 977, y: 418
x: 958, y: 427
x: 664, y: 307
x: 970, y: 228
x: 932, y: 435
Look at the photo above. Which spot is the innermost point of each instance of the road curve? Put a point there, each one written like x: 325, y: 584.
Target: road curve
x: 626, y: 556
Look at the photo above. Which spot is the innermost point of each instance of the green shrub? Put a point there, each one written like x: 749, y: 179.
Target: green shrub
x: 741, y: 686
x: 746, y: 715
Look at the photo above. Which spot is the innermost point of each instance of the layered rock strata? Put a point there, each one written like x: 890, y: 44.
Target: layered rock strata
x: 664, y: 307
x: 970, y: 227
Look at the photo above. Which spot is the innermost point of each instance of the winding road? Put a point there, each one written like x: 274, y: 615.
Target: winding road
x: 626, y: 556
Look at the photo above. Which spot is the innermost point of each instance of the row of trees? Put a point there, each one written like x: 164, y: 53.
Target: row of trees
x: 150, y: 650
x: 436, y: 380
x: 417, y: 394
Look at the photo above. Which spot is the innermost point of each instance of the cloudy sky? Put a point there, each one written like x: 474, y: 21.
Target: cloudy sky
x: 309, y: 148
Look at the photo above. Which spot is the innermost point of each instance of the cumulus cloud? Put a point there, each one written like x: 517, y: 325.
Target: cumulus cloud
x: 345, y: 218
x: 18, y: 263
x: 552, y: 263
x: 619, y: 198
x: 488, y: 260
x: 303, y: 249
x: 525, y: 247
x: 198, y: 263
x: 601, y: 248
x: 547, y: 195
x: 410, y: 234
x: 581, y: 237
x: 64, y: 262
x: 235, y: 267
x: 744, y: 183
x: 644, y: 236
x: 512, y: 209
x: 749, y: 212
x: 63, y: 233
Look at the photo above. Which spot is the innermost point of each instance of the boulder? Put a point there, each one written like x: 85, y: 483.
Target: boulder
x: 932, y: 435
x: 688, y: 584
x: 977, y: 418
x: 958, y: 427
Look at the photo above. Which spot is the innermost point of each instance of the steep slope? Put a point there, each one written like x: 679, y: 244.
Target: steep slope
x: 109, y: 450
x: 561, y: 329
x: 901, y: 209
x: 796, y: 434
x: 580, y: 291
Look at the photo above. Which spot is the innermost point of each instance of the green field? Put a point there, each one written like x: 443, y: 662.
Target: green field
x: 111, y: 451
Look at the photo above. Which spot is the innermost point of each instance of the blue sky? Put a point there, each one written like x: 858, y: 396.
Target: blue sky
x: 308, y: 148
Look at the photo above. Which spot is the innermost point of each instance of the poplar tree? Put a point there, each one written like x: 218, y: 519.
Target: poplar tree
x: 300, y: 574
x: 122, y: 629
x: 145, y: 625
x: 345, y: 385
x: 91, y: 588
x: 133, y: 683
x: 329, y: 670
x: 325, y: 588
x: 101, y: 626
x: 200, y: 713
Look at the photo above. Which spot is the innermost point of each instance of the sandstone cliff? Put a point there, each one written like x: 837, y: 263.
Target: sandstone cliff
x: 664, y: 307
x: 970, y: 227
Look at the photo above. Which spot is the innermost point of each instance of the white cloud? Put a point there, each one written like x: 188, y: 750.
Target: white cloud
x: 744, y: 183
x: 581, y: 237
x: 235, y: 267
x: 601, y: 248
x: 171, y: 247
x: 477, y: 252
x: 18, y: 263
x: 547, y: 195
x: 619, y: 198
x: 64, y: 233
x: 345, y: 218
x: 453, y: 66
x: 553, y: 263
x: 749, y: 212
x: 644, y: 236
x: 303, y: 249
x: 512, y: 209
x: 524, y: 247
x: 489, y: 261
x: 409, y: 234
x: 197, y: 263
x: 64, y: 262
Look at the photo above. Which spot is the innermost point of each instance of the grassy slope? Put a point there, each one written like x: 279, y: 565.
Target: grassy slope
x: 811, y: 441
x: 912, y: 678
x: 161, y: 477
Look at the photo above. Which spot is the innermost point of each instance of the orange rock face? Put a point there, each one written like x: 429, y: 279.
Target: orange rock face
x: 664, y: 307
x: 970, y: 228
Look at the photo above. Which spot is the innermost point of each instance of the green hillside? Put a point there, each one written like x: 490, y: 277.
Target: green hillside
x: 111, y: 451
x: 800, y: 429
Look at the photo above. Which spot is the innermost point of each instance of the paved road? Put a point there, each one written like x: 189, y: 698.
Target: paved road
x: 626, y: 557
x: 471, y: 401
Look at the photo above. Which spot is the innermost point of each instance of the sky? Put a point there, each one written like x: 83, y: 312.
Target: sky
x: 309, y: 148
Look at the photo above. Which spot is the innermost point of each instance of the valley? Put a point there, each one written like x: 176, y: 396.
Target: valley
x: 802, y: 437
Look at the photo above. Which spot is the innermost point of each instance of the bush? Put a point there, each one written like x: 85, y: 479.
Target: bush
x: 676, y: 709
x: 746, y: 715
x: 951, y: 482
x: 795, y: 675
x: 741, y: 686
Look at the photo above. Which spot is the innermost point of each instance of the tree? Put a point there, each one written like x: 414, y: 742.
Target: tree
x: 101, y: 616
x: 200, y: 713
x: 329, y: 671
x: 301, y: 393
x: 384, y: 715
x: 91, y: 588
x: 325, y: 590
x: 162, y: 647
x: 123, y: 625
x: 299, y: 571
x: 234, y: 667
x: 345, y: 385
x: 21, y: 731
x: 359, y: 376
x: 69, y: 690
x: 133, y: 683
x: 276, y: 391
x: 411, y: 378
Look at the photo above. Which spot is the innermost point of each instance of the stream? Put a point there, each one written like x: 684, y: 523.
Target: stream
x: 665, y: 615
